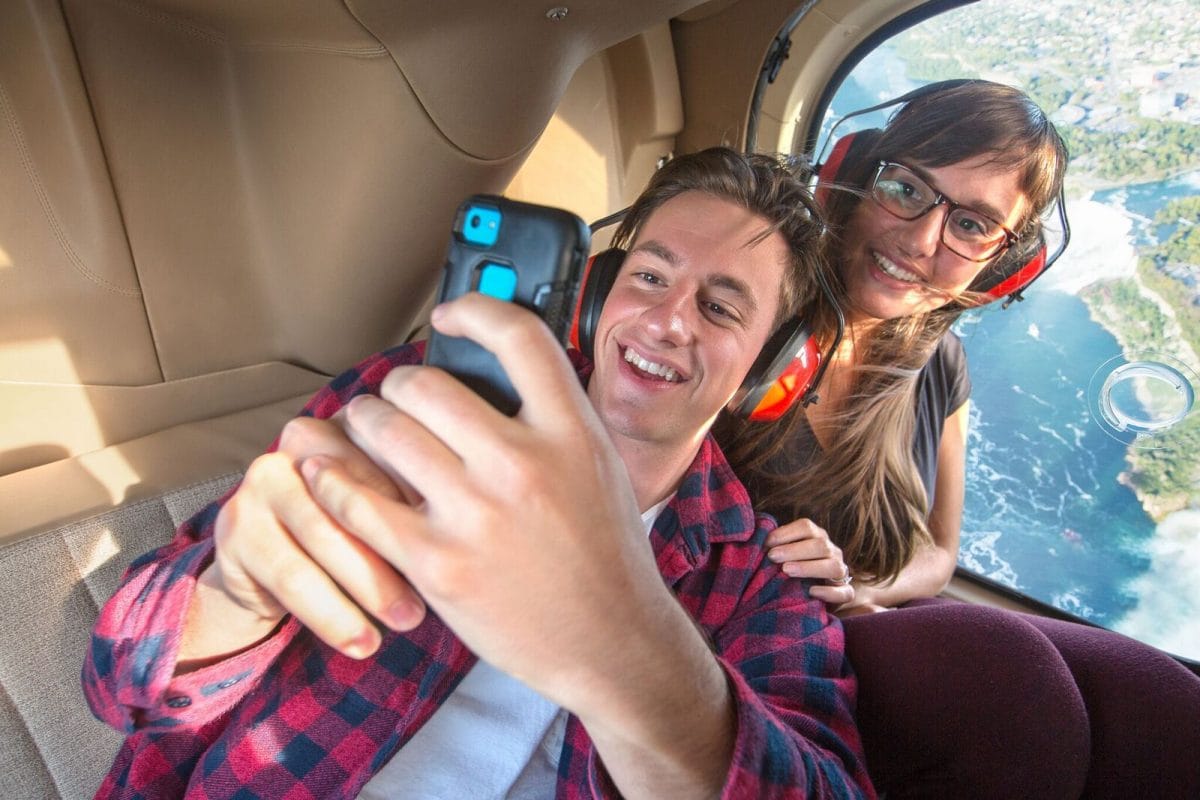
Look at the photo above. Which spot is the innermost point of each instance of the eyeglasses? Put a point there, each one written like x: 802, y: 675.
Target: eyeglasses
x: 965, y: 231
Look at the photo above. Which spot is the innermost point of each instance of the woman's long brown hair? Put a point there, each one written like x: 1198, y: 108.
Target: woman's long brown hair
x: 864, y: 489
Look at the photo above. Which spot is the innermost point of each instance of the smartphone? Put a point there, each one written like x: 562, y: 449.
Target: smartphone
x: 527, y: 254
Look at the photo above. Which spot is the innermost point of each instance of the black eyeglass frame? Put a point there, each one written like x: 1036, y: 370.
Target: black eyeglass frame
x: 940, y: 199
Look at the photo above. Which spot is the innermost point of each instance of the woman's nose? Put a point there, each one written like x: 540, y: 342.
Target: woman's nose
x: 921, y: 236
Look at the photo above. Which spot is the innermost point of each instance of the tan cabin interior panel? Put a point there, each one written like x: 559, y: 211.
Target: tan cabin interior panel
x: 826, y: 37
x: 718, y: 92
x: 72, y: 308
x: 209, y: 208
x: 617, y: 120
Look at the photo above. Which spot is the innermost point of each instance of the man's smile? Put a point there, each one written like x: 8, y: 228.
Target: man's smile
x: 651, y: 368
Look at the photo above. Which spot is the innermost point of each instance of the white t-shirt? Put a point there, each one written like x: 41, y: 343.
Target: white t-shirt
x: 494, y: 737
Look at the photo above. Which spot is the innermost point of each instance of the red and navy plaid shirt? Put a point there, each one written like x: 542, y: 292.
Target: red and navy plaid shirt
x: 292, y: 718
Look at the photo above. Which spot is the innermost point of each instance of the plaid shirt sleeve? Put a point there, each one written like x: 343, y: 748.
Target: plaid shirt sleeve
x: 792, y: 688
x: 128, y: 668
x: 794, y: 692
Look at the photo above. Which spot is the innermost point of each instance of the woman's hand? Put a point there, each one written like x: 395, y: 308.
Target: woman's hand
x: 864, y: 608
x: 803, y: 550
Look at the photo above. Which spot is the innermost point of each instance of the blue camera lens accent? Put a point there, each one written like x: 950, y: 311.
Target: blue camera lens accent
x: 497, y: 280
x: 481, y: 225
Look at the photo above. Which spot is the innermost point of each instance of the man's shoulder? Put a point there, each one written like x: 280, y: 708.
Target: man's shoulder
x: 407, y: 354
x: 581, y: 363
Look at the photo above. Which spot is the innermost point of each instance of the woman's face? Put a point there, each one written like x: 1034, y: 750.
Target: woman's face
x: 894, y: 267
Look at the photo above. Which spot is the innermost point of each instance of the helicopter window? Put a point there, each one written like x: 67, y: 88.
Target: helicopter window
x: 1083, y: 465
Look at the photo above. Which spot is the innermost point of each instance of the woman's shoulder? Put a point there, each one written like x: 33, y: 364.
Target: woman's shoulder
x: 950, y: 352
x: 948, y: 362
x: 945, y: 383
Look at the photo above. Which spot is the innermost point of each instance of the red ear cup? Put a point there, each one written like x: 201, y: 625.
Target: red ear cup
x: 1014, y: 270
x: 782, y: 374
x: 847, y: 167
x: 598, y: 276
x: 791, y: 385
x: 573, y: 337
x: 827, y: 173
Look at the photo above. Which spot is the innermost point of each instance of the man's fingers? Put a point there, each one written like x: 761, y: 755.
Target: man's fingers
x: 405, y: 446
x: 390, y: 529
x: 261, y: 564
x: 276, y: 542
x: 535, y: 363
x: 309, y: 594
x: 303, y: 437
x: 362, y: 574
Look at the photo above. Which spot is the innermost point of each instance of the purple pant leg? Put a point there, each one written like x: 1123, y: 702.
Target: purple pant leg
x: 965, y: 701
x: 1144, y: 708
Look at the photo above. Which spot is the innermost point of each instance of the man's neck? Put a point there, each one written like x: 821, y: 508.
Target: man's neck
x: 655, y: 471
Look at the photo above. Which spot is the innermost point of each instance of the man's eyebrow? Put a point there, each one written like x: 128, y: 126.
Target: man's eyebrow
x: 658, y: 250
x: 738, y: 287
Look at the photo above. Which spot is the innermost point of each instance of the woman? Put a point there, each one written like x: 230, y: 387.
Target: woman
x: 940, y: 202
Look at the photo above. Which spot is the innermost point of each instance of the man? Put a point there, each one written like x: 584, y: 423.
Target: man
x: 399, y: 593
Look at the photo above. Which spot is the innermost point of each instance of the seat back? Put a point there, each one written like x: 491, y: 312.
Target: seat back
x: 209, y: 208
x: 53, y: 585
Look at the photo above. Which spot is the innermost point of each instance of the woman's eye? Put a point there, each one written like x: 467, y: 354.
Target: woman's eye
x: 972, y: 226
x: 904, y: 192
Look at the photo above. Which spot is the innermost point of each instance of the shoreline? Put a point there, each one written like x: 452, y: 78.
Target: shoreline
x: 1088, y: 184
x: 1111, y: 253
x: 1157, y: 507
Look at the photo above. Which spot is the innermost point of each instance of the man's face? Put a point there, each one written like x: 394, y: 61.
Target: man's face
x: 692, y: 306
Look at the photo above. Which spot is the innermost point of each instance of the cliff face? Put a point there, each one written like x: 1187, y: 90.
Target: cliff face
x: 1164, y: 470
x: 1158, y: 506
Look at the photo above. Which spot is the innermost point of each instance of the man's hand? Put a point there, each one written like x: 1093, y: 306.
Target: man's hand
x: 279, y: 552
x: 528, y: 542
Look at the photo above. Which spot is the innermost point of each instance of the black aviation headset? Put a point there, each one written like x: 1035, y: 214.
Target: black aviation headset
x: 1025, y: 260
x: 788, y: 368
